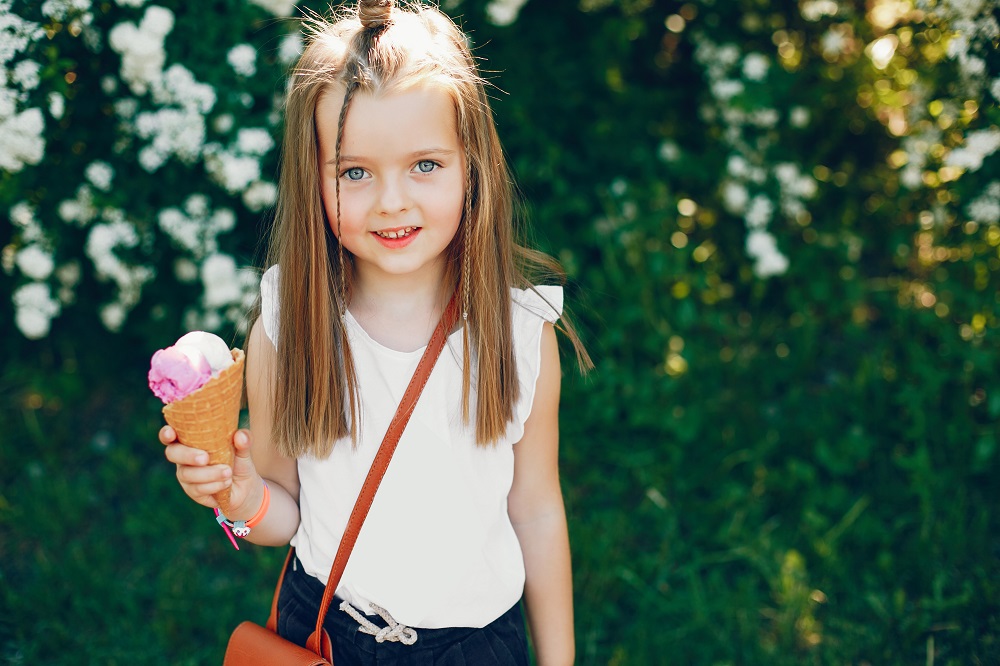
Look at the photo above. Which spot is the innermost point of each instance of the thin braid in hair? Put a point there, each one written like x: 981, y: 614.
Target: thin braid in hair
x: 466, y: 278
x: 342, y: 282
x: 348, y: 359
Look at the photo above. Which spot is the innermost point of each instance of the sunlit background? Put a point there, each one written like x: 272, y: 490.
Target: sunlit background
x: 780, y: 223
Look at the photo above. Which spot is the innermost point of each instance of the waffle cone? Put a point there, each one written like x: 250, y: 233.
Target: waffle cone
x: 207, y: 418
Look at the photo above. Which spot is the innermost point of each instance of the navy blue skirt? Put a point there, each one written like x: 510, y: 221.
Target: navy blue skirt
x: 502, y: 642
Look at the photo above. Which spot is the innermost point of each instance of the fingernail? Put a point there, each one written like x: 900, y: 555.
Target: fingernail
x: 227, y: 473
x: 201, y: 459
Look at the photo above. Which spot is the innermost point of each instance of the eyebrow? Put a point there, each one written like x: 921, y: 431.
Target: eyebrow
x: 420, y: 153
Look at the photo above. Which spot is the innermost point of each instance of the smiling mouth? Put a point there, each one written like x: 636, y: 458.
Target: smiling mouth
x: 397, y: 233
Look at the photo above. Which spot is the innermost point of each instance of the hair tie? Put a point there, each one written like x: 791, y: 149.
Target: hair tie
x: 374, y: 13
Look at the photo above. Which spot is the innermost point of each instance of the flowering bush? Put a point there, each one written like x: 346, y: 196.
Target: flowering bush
x: 126, y: 170
x: 781, y: 223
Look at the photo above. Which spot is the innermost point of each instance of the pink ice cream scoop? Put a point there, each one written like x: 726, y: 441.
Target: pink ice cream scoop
x: 178, y: 371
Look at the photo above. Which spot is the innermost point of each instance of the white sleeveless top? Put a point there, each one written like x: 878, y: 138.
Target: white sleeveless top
x: 437, y: 548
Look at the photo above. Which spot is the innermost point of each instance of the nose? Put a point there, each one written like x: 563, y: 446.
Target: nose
x: 393, y: 196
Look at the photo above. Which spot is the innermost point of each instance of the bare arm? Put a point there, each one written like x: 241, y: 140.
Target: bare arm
x: 535, y: 506
x: 256, y: 458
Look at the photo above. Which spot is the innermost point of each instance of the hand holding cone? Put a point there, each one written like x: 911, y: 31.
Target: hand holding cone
x: 202, y: 399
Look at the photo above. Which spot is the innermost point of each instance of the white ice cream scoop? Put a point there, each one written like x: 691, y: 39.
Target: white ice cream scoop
x: 212, y: 346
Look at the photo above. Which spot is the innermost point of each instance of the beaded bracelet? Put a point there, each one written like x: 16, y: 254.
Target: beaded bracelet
x: 241, y: 528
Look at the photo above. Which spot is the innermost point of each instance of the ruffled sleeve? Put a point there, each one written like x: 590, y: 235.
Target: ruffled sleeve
x: 532, y: 308
x: 269, y: 304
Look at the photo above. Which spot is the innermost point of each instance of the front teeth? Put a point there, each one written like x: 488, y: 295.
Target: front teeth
x: 395, y: 234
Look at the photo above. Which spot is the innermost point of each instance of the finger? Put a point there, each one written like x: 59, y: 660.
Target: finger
x: 243, y: 462
x: 167, y: 435
x: 203, y: 492
x: 186, y: 455
x: 199, y: 476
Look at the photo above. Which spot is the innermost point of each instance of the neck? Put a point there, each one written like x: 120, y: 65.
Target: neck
x: 400, y: 311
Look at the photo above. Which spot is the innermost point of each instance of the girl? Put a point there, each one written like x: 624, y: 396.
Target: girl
x: 393, y: 194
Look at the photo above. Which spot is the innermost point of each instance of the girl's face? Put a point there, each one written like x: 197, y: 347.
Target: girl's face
x: 402, y: 180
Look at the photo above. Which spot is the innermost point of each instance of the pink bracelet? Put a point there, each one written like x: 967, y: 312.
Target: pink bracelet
x: 241, y: 528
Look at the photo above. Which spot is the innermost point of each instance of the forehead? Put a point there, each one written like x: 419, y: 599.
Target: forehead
x: 388, y: 123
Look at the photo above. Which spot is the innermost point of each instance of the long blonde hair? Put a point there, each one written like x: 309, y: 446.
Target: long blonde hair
x: 374, y: 49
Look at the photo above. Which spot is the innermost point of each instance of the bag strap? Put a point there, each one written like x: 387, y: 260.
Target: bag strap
x: 318, y: 642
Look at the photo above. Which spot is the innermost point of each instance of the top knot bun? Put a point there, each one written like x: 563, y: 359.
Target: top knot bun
x: 374, y: 13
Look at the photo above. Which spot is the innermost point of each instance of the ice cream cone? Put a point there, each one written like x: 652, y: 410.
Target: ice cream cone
x: 207, y: 418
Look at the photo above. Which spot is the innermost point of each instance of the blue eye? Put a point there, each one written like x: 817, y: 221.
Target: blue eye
x: 357, y: 173
x: 426, y: 166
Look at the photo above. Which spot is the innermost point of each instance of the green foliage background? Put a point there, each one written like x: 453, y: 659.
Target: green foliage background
x: 798, y: 469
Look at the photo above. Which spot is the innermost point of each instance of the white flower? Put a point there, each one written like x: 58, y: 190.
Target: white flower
x: 35, y: 262
x: 260, y: 195
x: 126, y: 107
x: 22, y: 214
x: 793, y: 183
x: 61, y: 9
x: 113, y: 316
x: 973, y: 66
x: 26, y: 74
x: 221, y: 282
x: 765, y: 118
x: 728, y: 54
x: 100, y: 175
x: 985, y: 211
x: 223, y: 123
x: 69, y: 274
x: 735, y: 197
x: 179, y: 87
x: 978, y: 146
x: 833, y: 42
x: 231, y: 171
x: 151, y: 159
x: 101, y: 246
x: 967, y: 9
x: 57, y: 105
x: 290, y: 47
x: 725, y: 89
x: 185, y: 270
x: 669, y: 151
x: 911, y: 176
x: 21, y: 140
x: 985, y: 208
x: 243, y: 59
x: 16, y: 34
x: 253, y: 141
x: 814, y: 10
x: 755, y: 66
x: 771, y: 264
x: 737, y: 166
x: 223, y: 220
x: 141, y: 47
x: 35, y: 309
x: 759, y: 212
x: 81, y: 210
x: 763, y: 248
x: 277, y: 7
x: 182, y: 230
x: 173, y: 132
x: 130, y: 3
x: 504, y: 12
x: 799, y: 117
x: 196, y: 205
x: 995, y: 88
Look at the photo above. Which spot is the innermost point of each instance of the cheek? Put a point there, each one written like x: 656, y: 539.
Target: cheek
x: 348, y: 206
